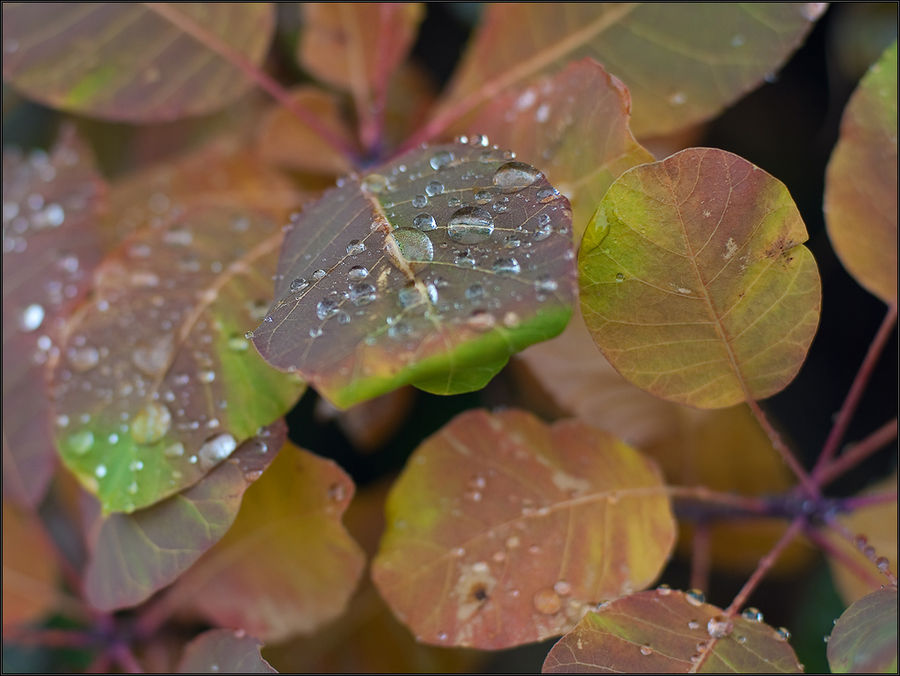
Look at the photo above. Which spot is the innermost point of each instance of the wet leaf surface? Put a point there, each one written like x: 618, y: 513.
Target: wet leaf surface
x: 30, y: 570
x: 287, y: 565
x: 156, y: 383
x: 431, y: 270
x: 695, y: 283
x: 682, y: 63
x: 50, y: 203
x: 136, y: 554
x: 864, y: 640
x: 224, y: 651
x: 124, y: 61
x: 669, y: 631
x: 503, y: 530
x: 861, y: 182
x: 574, y: 125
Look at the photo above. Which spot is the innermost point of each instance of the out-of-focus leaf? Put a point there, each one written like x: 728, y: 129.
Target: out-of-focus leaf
x: 878, y: 525
x: 574, y: 125
x: 411, y: 93
x: 156, y: 383
x: 50, y: 203
x: 861, y: 182
x: 431, y: 270
x: 224, y: 651
x: 124, y: 61
x: 287, y: 565
x: 683, y: 63
x: 669, y: 632
x: 357, y: 46
x: 288, y: 143
x: 369, y: 424
x: 502, y: 530
x: 137, y: 554
x: 29, y: 568
x: 694, y: 281
x: 864, y: 640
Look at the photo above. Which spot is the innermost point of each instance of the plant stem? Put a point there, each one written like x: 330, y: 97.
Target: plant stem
x: 858, y: 452
x: 765, y: 563
x: 864, y: 573
x: 855, y: 393
x: 122, y: 654
x: 254, y: 73
x: 862, y: 501
x: 704, y: 494
x: 51, y: 638
x: 809, y: 485
x: 700, y: 556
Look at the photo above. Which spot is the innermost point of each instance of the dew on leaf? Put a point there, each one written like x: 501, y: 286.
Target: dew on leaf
x: 153, y: 358
x: 752, y: 614
x: 646, y: 649
x: 695, y: 597
x: 362, y: 293
x: 413, y: 244
x: 419, y: 201
x: 358, y: 272
x: 328, y: 306
x: 464, y: 259
x: 562, y: 588
x: 620, y: 276
x: 693, y: 624
x: 470, y: 225
x: 547, y: 601
x: 81, y: 442
x: 32, y: 317
x: 100, y: 471
x: 216, y: 449
x: 782, y: 634
x: 663, y: 590
x: 515, y: 176
x: 474, y: 292
x: 501, y: 205
x: 424, y: 222
x: 434, y: 188
x: 151, y: 423
x: 318, y: 275
x: 83, y: 358
x: 719, y: 626
x: 175, y: 450
x: 506, y: 266
x: 374, y: 183
x: 298, y: 284
x: 440, y: 159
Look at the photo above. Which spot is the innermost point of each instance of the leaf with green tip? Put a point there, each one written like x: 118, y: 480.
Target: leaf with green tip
x: 125, y: 61
x: 287, y: 565
x: 575, y: 126
x: 50, y: 203
x: 431, y: 271
x: 683, y: 63
x: 861, y: 182
x: 669, y: 632
x: 223, y: 651
x: 502, y: 530
x: 694, y: 281
x: 864, y: 640
x: 137, y: 554
x: 156, y: 384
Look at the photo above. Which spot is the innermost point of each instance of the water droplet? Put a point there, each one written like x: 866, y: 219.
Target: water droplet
x: 663, y: 590
x: 176, y: 450
x: 154, y: 357
x: 413, y: 244
x: 362, y: 293
x: 328, y: 306
x: 319, y: 275
x: 83, y: 358
x: 470, y: 225
x: 515, y: 176
x: 883, y: 563
x: 216, y: 449
x: 419, y: 201
x: 464, y: 259
x: 32, y: 317
x: 434, y: 188
x: 620, y: 276
x: 475, y: 292
x: 506, y: 266
x: 646, y: 649
x: 374, y: 183
x: 440, y: 159
x: 248, y: 335
x: 206, y: 376
x: 424, y: 222
x: 752, y: 614
x: 693, y: 624
x: 100, y: 471
x: 409, y: 296
x: 81, y: 442
x: 547, y: 601
x: 501, y: 205
x: 481, y: 320
x: 358, y: 272
x: 695, y: 597
x: 62, y: 420
x: 151, y: 423
x: 719, y: 626
x: 298, y: 284
x: 545, y: 284
x: 54, y: 215
x: 562, y: 588
x: 355, y: 247
x: 546, y: 195
x: 782, y: 634
x: 484, y: 196
x: 238, y: 344
x: 315, y: 332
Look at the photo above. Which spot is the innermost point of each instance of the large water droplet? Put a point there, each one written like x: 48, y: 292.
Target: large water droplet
x: 361, y: 293
x: 547, y: 601
x: 514, y: 176
x: 695, y: 597
x: 374, y: 183
x: 752, y: 614
x: 32, y: 317
x: 358, y: 272
x: 413, y: 244
x: 470, y: 225
x: 434, y: 188
x: 215, y: 450
x: 440, y: 159
x: 506, y: 266
x: 719, y: 626
x: 154, y: 357
x: 328, y: 306
x: 419, y: 201
x: 424, y: 222
x: 355, y: 247
x: 298, y: 285
x: 81, y: 442
x: 151, y: 423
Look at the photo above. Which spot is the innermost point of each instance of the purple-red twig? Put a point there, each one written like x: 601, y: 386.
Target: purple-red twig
x: 860, y: 501
x: 700, y: 555
x: 858, y: 452
x: 864, y: 573
x: 811, y: 488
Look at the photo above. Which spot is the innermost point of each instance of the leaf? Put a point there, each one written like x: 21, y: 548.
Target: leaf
x: 50, y: 202
x: 694, y: 282
x: 226, y: 651
x: 864, y: 640
x: 682, y: 63
x: 137, y: 554
x: 287, y: 565
x: 861, y: 182
x: 878, y: 525
x: 575, y: 126
x: 30, y: 570
x: 410, y: 96
x: 669, y: 632
x: 501, y: 530
x: 156, y: 383
x: 288, y: 143
x: 424, y: 272
x: 124, y: 61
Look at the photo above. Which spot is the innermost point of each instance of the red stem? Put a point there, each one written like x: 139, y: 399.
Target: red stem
x: 863, y: 501
x: 864, y: 573
x: 700, y: 556
x: 254, y: 73
x: 855, y: 394
x: 809, y: 485
x: 858, y: 452
x: 704, y: 494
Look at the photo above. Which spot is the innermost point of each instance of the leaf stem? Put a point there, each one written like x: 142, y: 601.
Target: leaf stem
x: 765, y: 563
x: 855, y: 394
x: 700, y: 555
x: 254, y: 73
x: 863, y: 501
x: 703, y: 494
x: 809, y: 485
x: 858, y: 452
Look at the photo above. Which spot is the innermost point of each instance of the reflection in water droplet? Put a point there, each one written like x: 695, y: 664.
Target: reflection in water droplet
x: 151, y: 423
x: 424, y: 222
x: 695, y: 597
x: 547, y: 601
x: 413, y: 244
x: 358, y: 272
x: 81, y: 442
x: 470, y: 225
x: 514, y: 176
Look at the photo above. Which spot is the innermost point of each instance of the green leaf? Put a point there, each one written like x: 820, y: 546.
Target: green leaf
x: 694, y: 282
x: 137, y: 554
x: 431, y: 270
x: 861, y: 182
x: 670, y: 632
x: 156, y: 383
x: 124, y: 61
x: 287, y: 565
x: 502, y: 530
x: 223, y: 651
x: 864, y: 640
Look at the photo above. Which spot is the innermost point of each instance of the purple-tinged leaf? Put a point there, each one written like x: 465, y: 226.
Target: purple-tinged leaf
x: 864, y: 640
x: 136, y: 554
x: 224, y: 651
x: 156, y: 382
x: 50, y: 247
x: 431, y: 270
x: 124, y: 61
